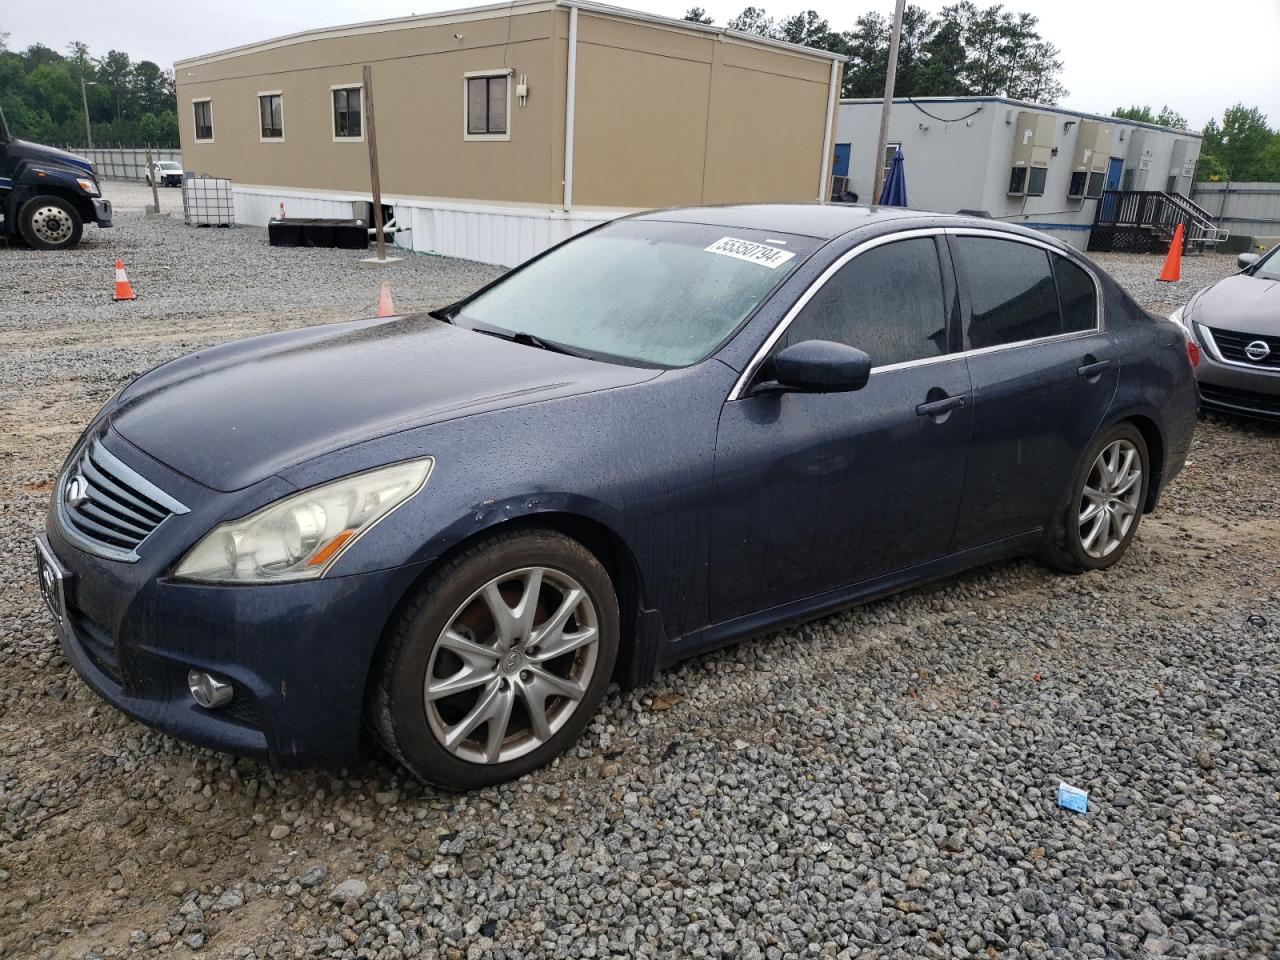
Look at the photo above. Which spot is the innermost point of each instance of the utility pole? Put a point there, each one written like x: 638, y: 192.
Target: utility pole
x: 892, y: 71
x: 84, y: 102
x: 375, y: 182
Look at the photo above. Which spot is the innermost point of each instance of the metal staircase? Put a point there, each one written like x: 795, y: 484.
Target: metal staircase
x: 1144, y: 221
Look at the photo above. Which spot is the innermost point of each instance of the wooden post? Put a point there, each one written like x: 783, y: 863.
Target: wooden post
x: 372, y: 136
x: 890, y: 76
x: 151, y: 175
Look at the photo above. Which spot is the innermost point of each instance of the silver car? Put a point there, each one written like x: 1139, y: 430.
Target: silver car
x: 1236, y: 324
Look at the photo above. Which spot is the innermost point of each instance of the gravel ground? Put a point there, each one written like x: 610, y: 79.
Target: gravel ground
x: 875, y: 784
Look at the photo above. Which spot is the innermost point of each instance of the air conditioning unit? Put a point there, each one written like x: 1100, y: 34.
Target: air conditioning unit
x: 1090, y: 161
x: 1032, y: 147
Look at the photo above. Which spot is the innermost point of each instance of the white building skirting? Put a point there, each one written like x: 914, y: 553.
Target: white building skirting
x: 491, y: 233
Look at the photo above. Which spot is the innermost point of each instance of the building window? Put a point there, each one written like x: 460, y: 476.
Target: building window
x: 487, y: 106
x: 1035, y: 181
x: 1075, y: 189
x: 1018, y: 181
x: 1096, y: 182
x: 203, y: 110
x: 889, y: 150
x: 348, y: 109
x: 271, y: 115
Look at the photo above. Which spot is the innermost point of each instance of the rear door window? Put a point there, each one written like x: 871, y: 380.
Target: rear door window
x: 887, y: 302
x: 1077, y: 296
x: 1012, y: 295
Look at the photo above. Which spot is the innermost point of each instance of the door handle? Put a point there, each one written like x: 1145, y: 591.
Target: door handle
x: 936, y: 408
x: 1093, y: 368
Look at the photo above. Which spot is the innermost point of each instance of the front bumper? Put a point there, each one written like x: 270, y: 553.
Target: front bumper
x: 1237, y: 388
x: 102, y: 212
x: 298, y: 654
x: 172, y: 180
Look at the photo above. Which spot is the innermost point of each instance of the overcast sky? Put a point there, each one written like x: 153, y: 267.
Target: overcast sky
x: 1198, y: 57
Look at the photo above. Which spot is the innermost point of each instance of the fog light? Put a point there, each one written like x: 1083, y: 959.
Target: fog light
x: 208, y: 691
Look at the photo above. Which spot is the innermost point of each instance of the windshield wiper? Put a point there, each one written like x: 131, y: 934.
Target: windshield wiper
x: 531, y: 340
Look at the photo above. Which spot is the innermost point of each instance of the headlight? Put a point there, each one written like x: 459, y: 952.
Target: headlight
x: 88, y: 186
x: 303, y: 535
x: 1176, y: 317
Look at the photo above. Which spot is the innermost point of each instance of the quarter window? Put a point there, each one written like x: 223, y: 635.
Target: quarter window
x: 1077, y: 296
x: 1011, y: 291
x: 887, y: 302
x: 271, y: 113
x: 203, y: 110
x: 487, y: 106
x: 347, y: 119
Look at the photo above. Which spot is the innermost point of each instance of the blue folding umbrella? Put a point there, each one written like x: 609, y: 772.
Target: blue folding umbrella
x: 894, y: 192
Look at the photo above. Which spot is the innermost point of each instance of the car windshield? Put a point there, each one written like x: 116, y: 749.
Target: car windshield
x: 1268, y: 268
x: 169, y: 165
x: 652, y: 292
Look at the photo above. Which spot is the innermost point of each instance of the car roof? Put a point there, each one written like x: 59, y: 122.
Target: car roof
x: 823, y: 221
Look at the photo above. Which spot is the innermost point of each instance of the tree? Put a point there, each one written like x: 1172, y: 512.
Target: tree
x: 40, y: 95
x: 698, y: 15
x: 808, y: 29
x: 115, y: 72
x: 1167, y: 117
x: 1240, y: 141
x: 754, y: 20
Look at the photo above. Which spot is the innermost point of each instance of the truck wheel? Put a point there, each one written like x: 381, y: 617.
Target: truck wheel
x: 50, y: 223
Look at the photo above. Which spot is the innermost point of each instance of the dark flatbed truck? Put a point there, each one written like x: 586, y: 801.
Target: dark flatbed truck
x: 47, y: 195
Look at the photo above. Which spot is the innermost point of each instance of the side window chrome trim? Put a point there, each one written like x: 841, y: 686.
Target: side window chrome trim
x: 758, y: 357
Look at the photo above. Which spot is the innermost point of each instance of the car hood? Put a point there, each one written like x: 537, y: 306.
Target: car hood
x: 234, y: 414
x: 1242, y: 303
x: 38, y: 152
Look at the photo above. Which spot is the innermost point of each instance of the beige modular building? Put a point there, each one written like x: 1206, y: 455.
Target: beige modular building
x: 504, y: 129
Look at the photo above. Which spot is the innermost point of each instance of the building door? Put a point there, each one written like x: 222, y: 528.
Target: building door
x: 841, y: 167
x: 1113, y: 173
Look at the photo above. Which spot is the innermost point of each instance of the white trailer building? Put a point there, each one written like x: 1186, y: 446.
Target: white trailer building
x: 1048, y: 168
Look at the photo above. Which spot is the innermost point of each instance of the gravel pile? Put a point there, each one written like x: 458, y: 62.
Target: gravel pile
x: 875, y: 784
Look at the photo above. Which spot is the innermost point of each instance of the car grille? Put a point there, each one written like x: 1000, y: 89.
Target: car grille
x: 1243, y: 400
x: 110, y: 507
x: 1232, y: 346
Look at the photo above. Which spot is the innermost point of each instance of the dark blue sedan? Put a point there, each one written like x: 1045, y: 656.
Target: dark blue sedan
x: 673, y: 431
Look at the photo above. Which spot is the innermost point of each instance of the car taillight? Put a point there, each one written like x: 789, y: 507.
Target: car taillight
x: 1193, y: 353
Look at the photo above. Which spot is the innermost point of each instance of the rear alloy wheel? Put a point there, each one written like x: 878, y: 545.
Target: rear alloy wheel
x: 1106, y: 505
x: 500, y: 662
x: 1109, y: 504
x: 49, y: 223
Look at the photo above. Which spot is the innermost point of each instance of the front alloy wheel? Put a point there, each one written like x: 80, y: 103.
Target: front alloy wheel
x: 498, y: 661
x: 512, y: 665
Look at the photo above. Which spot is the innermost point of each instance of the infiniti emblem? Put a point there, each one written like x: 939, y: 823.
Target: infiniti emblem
x: 1258, y: 350
x: 76, y: 491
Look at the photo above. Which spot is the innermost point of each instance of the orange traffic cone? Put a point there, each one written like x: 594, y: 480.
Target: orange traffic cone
x: 124, y: 289
x: 385, y: 307
x: 1172, y: 271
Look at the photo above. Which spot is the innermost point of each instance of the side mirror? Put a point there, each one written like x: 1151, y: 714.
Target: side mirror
x: 821, y: 366
x: 1246, y: 260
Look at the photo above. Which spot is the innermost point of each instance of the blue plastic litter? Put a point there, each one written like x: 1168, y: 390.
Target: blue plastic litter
x: 1073, y: 798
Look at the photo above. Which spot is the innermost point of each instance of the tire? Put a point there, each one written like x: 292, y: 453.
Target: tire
x: 411, y: 709
x: 49, y: 223
x: 1074, y: 544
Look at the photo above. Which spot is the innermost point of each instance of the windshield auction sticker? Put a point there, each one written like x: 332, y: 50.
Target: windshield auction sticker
x: 761, y: 253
